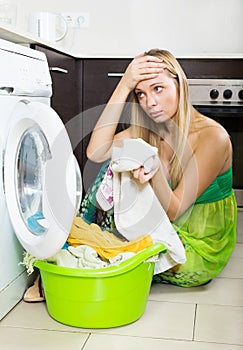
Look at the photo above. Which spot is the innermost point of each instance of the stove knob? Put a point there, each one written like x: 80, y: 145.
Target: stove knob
x: 227, y: 94
x: 240, y: 94
x: 214, y: 93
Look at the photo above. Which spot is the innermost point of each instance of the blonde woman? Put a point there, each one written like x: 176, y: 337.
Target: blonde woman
x: 194, y: 181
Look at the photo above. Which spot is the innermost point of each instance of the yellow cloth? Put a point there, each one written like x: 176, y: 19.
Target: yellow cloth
x: 106, y: 244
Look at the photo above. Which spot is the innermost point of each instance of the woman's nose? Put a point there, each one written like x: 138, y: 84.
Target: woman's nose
x: 151, y: 101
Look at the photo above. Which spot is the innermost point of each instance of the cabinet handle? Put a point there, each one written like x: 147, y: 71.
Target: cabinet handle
x: 110, y: 75
x: 57, y: 69
x: 6, y: 90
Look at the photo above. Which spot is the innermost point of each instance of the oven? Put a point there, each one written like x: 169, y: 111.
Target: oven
x: 222, y: 100
x: 216, y: 90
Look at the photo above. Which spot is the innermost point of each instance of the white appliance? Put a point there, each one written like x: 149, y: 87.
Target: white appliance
x: 40, y: 181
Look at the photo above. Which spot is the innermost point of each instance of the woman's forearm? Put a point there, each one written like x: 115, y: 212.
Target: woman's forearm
x: 101, y: 141
x: 176, y: 202
x: 170, y: 200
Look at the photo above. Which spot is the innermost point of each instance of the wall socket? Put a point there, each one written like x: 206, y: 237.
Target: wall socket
x: 76, y: 19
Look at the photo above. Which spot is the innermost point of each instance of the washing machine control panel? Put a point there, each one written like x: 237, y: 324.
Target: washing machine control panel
x: 29, y: 74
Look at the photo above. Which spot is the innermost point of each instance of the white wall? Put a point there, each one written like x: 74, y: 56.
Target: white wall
x: 127, y: 27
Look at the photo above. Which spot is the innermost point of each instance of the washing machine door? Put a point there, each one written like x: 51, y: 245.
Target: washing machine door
x: 41, y: 178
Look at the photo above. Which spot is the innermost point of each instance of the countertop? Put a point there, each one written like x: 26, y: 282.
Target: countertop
x: 26, y: 38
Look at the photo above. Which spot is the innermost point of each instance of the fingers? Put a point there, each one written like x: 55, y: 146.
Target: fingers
x: 148, y: 57
x: 142, y: 67
x: 141, y: 176
x: 140, y: 55
x: 148, y: 65
x: 136, y: 172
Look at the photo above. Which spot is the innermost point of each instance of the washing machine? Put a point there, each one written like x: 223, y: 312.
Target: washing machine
x: 40, y: 182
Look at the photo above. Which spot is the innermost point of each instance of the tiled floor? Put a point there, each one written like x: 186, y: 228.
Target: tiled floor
x: 202, y: 318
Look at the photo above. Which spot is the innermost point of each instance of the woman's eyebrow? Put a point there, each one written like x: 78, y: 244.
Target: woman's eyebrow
x: 157, y: 83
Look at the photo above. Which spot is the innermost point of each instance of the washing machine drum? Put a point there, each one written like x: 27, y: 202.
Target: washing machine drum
x: 42, y: 180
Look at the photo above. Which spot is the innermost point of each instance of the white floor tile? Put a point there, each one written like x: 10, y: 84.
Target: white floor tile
x: 161, y: 320
x: 35, y: 316
x: 113, y: 342
x: 234, y: 268
x: 222, y: 291
x: 238, y: 252
x: 29, y: 339
x: 226, y: 325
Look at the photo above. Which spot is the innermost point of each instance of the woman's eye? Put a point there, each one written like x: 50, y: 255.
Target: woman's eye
x: 140, y: 94
x: 158, y: 88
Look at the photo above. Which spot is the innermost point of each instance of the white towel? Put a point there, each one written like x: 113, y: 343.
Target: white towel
x: 137, y: 210
x: 64, y: 258
x: 121, y: 257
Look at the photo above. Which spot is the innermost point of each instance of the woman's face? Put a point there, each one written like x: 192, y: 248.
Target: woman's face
x: 158, y: 97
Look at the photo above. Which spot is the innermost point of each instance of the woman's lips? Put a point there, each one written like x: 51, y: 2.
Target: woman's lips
x: 155, y: 114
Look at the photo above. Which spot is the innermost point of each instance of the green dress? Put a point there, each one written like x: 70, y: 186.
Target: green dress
x: 207, y: 230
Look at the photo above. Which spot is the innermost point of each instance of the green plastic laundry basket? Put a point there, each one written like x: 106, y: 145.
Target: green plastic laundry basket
x: 100, y: 298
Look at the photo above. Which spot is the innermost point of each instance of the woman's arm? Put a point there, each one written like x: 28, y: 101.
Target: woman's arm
x: 141, y: 68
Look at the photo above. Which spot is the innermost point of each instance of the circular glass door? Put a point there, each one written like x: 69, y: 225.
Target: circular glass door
x: 42, y: 179
x: 31, y: 159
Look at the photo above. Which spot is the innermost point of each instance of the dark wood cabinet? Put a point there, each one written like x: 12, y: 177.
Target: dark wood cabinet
x: 66, y: 73
x: 100, y: 77
x: 66, y: 100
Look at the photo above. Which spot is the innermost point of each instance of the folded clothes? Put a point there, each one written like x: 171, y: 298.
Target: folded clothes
x: 105, y: 243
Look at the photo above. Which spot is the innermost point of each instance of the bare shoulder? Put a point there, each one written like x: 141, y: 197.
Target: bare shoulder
x: 210, y: 131
x: 211, y: 144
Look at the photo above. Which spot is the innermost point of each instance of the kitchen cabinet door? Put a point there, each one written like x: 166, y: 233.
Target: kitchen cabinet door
x: 66, y: 100
x: 100, y: 77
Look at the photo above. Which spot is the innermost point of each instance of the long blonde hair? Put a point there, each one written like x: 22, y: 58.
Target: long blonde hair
x: 143, y: 127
